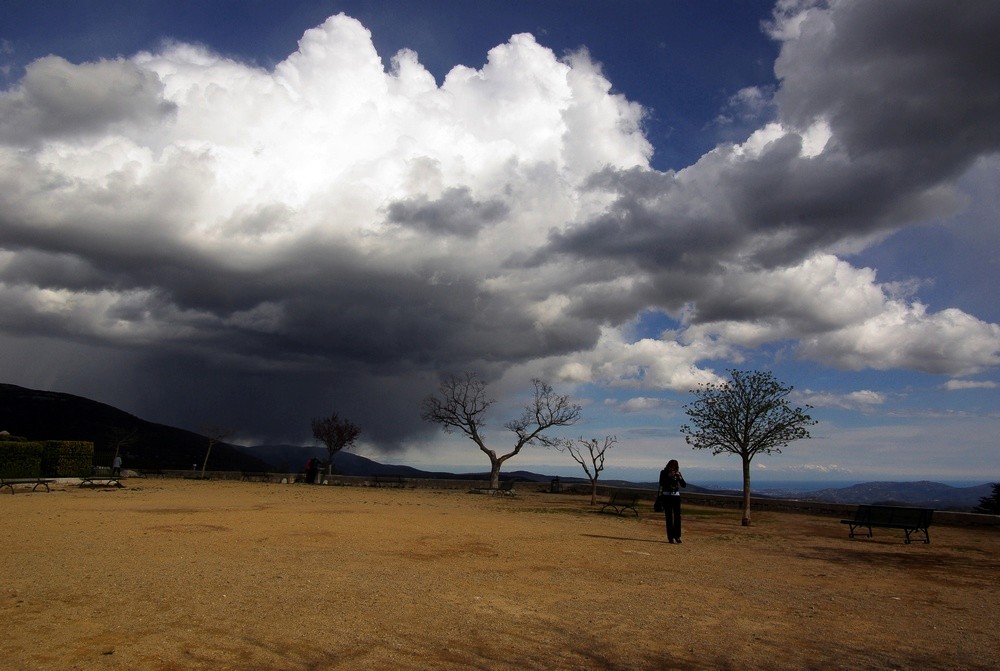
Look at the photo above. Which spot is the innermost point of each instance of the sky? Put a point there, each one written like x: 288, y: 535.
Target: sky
x: 250, y: 214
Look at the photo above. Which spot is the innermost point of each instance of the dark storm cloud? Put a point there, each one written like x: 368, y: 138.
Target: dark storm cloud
x: 454, y: 213
x: 912, y: 97
x: 913, y: 83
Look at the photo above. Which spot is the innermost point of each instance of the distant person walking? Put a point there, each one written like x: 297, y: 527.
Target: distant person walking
x: 671, y: 481
x: 116, y: 465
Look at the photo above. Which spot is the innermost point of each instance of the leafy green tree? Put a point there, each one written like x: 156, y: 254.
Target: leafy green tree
x: 336, y: 433
x: 746, y: 415
x: 990, y: 505
x: 461, y: 404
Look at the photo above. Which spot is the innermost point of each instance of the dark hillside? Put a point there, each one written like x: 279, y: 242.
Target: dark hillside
x: 46, y: 415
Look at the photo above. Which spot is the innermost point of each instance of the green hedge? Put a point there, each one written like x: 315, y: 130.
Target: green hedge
x: 50, y: 458
x: 67, y: 458
x: 21, y: 459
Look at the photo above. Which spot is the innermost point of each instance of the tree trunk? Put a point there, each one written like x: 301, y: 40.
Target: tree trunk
x: 593, y: 492
x: 204, y: 464
x: 746, y: 493
x: 494, y: 474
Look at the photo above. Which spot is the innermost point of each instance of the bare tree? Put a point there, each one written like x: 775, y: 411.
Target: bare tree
x: 121, y: 437
x: 214, y: 434
x: 461, y: 404
x: 592, y: 461
x: 746, y: 415
x: 336, y: 433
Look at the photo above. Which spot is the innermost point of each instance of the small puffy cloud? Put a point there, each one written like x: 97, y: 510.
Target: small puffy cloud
x: 863, y: 399
x: 750, y: 103
x: 640, y: 404
x: 961, y: 385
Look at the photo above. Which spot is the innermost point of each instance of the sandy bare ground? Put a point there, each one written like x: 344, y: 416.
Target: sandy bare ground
x: 173, y: 574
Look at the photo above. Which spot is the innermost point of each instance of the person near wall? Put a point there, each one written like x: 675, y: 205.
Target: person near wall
x: 116, y: 465
x: 671, y: 482
x: 311, y: 470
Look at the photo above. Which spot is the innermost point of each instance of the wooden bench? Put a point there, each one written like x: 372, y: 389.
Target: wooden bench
x: 34, y: 482
x: 910, y: 520
x: 622, y: 501
x: 101, y: 481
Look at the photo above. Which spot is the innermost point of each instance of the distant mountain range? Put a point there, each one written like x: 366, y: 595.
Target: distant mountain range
x: 923, y: 494
x: 46, y: 415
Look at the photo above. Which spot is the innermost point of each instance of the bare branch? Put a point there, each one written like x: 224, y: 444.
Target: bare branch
x: 461, y: 404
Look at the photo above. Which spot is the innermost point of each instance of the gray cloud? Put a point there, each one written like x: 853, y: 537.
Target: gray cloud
x: 904, y: 84
x: 454, y: 213
x: 59, y: 99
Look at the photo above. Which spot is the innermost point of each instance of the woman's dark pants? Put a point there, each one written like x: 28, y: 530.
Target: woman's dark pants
x: 672, y: 511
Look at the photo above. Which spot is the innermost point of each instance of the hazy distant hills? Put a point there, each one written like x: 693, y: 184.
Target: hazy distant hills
x: 45, y: 415
x: 293, y: 458
x: 923, y: 494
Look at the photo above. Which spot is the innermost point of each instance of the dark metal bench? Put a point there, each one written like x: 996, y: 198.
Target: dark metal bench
x: 101, y: 481
x: 910, y: 520
x: 34, y: 482
x: 622, y: 501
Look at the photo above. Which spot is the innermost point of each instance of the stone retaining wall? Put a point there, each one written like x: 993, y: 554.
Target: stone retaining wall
x: 838, y: 510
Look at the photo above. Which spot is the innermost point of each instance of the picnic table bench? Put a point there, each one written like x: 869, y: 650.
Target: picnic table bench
x: 622, y: 501
x: 34, y: 482
x: 910, y: 520
x: 101, y: 480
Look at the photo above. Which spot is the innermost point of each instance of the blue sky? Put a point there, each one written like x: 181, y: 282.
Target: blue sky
x: 251, y: 213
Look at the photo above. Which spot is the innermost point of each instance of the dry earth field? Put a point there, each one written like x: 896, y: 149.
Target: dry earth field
x: 174, y: 574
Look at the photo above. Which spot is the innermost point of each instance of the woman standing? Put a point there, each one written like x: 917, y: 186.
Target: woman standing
x: 671, y: 481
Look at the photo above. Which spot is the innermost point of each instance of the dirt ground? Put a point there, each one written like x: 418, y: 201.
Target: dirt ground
x: 174, y: 574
